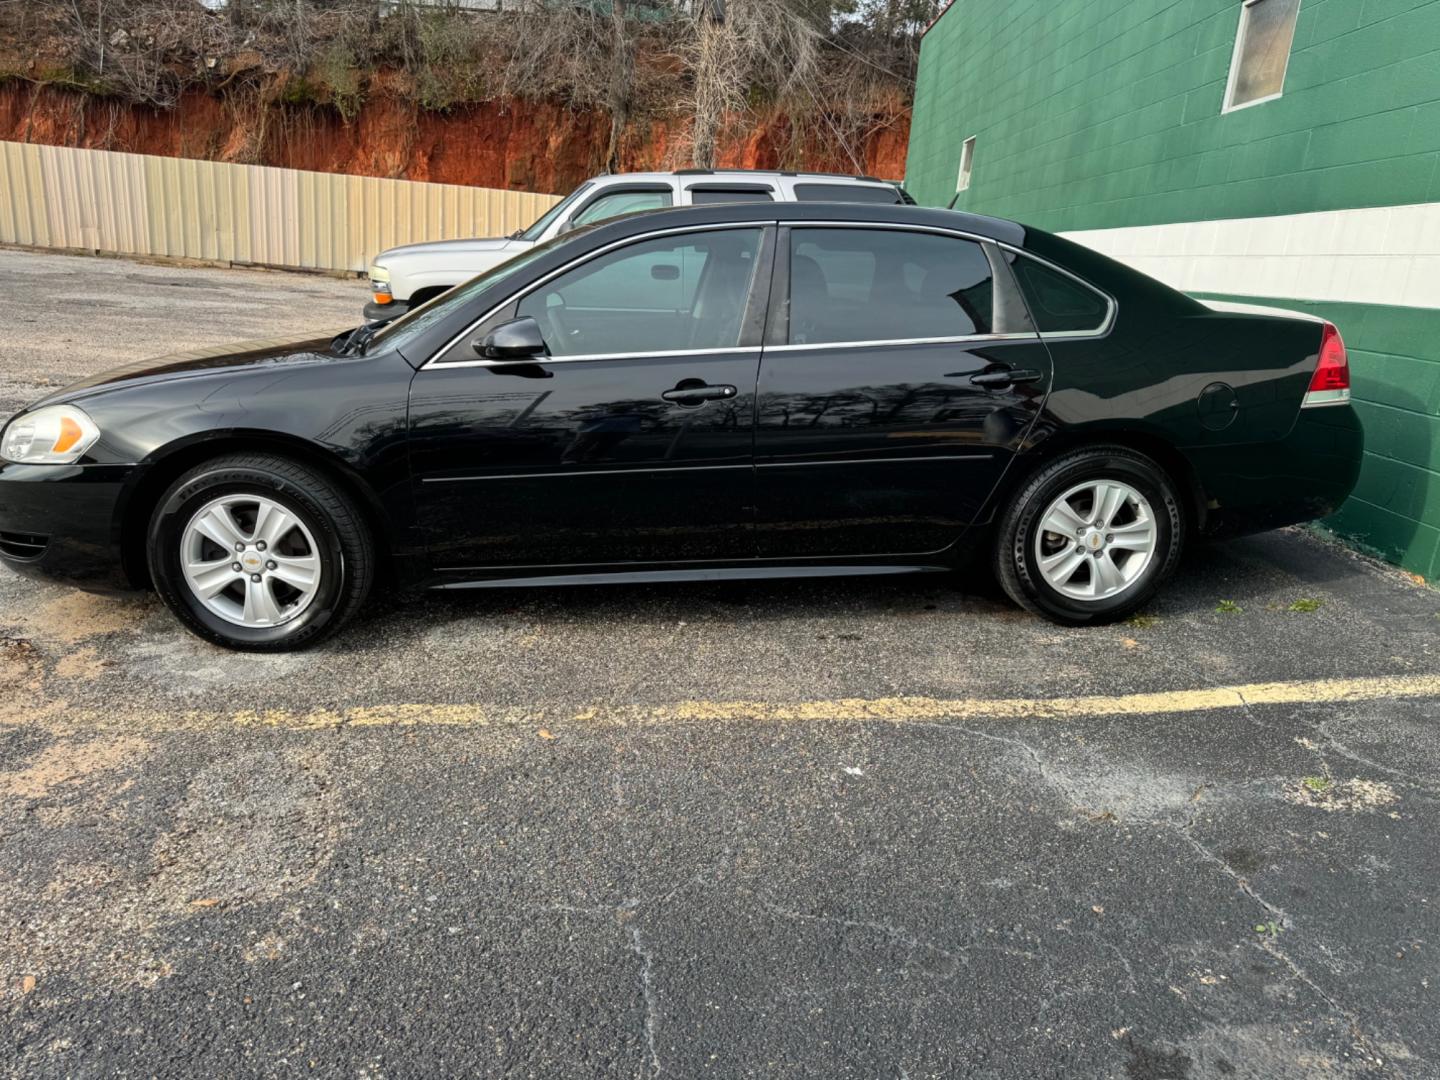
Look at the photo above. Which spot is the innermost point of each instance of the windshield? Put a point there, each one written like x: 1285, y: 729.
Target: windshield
x: 413, y: 323
x: 534, y: 231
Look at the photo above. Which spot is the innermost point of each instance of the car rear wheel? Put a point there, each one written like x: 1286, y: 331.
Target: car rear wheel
x: 260, y: 553
x: 1090, y: 537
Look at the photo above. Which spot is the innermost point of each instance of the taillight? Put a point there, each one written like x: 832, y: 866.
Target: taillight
x: 1330, y: 384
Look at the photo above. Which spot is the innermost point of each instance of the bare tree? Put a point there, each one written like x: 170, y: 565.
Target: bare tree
x: 739, y: 50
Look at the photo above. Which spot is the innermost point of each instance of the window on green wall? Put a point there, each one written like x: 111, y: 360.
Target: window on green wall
x: 967, y: 163
x: 1262, y: 52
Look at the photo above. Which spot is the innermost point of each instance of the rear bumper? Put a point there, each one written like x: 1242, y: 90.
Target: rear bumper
x: 62, y: 523
x: 1302, y: 477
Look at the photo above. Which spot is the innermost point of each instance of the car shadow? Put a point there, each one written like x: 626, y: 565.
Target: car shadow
x: 1244, y: 571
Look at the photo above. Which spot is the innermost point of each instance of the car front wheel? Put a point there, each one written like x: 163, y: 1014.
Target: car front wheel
x: 260, y: 553
x: 1090, y: 537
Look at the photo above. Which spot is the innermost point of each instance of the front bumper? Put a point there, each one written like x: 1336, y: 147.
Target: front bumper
x: 62, y: 522
x: 383, y: 313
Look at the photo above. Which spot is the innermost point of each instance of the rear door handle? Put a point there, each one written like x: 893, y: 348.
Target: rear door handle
x: 998, y: 380
x: 692, y: 395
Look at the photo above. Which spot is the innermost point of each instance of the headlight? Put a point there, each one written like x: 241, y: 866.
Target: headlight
x: 54, y: 435
x: 380, y: 284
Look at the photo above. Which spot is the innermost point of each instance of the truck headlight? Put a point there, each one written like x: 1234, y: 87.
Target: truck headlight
x: 380, y: 284
x: 54, y: 435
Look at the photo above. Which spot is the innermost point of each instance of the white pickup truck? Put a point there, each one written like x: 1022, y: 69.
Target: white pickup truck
x: 406, y: 277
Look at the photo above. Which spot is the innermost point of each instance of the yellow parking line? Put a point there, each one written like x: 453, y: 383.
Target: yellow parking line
x: 841, y: 710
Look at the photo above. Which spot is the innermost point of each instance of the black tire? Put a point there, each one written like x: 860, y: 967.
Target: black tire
x: 1016, y: 563
x: 342, y: 541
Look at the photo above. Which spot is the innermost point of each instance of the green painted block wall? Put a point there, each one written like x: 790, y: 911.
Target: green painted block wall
x: 1093, y: 115
x: 1097, y: 115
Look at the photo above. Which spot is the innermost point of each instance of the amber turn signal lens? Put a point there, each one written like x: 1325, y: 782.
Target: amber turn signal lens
x: 70, y: 434
x: 383, y: 298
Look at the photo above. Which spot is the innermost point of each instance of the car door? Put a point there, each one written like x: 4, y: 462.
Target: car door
x: 631, y: 441
x: 899, y: 376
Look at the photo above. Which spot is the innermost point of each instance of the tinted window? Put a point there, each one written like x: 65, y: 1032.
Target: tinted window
x: 886, y: 285
x: 847, y: 193
x: 702, y: 196
x: 1057, y: 301
x: 675, y: 292
x: 622, y: 202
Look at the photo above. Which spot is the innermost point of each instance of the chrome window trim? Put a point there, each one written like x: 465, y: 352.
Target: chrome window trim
x: 958, y: 340
x: 1105, y: 327
x: 515, y: 298
x: 1110, y: 305
x: 739, y: 352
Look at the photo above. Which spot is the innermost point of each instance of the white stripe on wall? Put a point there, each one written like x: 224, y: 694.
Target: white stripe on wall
x: 1376, y: 255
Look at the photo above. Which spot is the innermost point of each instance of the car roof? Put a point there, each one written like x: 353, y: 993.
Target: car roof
x: 796, y: 213
x: 738, y: 174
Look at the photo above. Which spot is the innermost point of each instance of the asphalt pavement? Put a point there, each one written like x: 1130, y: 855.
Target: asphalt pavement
x: 875, y: 828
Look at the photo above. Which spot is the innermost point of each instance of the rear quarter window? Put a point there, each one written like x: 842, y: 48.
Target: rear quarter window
x: 1059, y: 303
x: 855, y: 193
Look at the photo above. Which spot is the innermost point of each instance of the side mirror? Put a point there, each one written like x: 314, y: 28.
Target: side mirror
x: 665, y: 272
x: 518, y: 340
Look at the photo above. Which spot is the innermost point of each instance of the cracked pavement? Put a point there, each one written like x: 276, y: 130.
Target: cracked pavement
x: 193, y: 881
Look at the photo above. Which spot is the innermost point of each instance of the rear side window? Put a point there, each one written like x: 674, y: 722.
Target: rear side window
x: 704, y: 196
x: 886, y: 285
x: 1059, y: 303
x: 847, y: 193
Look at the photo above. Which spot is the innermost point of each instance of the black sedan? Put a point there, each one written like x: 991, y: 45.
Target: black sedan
x: 733, y: 391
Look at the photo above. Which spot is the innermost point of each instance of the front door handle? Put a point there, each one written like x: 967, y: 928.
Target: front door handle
x: 693, y: 392
x: 999, y: 380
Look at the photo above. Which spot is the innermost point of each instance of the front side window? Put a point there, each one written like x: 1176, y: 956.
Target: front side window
x: 886, y: 285
x: 664, y: 295
x: 861, y: 193
x: 622, y: 202
x: 538, y: 227
x: 1262, y: 51
x: 1058, y: 303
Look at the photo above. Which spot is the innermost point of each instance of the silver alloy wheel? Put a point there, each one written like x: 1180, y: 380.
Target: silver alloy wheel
x: 1095, y: 540
x: 250, y: 560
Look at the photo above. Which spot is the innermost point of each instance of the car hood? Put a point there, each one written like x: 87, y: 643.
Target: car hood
x: 453, y: 247
x: 233, y: 355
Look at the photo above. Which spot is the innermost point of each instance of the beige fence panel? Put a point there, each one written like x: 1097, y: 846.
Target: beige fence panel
x: 136, y: 204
